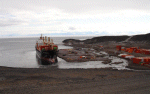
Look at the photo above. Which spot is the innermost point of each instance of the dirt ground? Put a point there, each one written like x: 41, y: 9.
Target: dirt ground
x: 73, y: 81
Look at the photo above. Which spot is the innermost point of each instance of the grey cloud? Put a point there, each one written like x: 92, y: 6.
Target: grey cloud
x: 9, y: 22
x: 72, y: 28
x: 76, y: 6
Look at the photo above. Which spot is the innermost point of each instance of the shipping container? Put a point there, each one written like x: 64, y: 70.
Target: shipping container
x: 118, y: 47
x: 139, y: 60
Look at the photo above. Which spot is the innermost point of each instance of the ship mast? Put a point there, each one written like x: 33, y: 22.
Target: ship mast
x: 41, y: 36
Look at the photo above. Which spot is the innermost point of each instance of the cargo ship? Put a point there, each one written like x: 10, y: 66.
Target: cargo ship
x: 46, y: 50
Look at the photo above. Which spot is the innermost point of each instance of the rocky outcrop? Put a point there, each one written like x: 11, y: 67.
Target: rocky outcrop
x: 98, y: 39
x: 71, y: 40
x: 144, y: 37
x: 106, y: 39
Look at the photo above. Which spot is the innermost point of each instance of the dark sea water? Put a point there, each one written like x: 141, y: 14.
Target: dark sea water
x: 20, y: 52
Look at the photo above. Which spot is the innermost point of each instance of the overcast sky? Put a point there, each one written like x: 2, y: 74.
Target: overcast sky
x: 101, y: 17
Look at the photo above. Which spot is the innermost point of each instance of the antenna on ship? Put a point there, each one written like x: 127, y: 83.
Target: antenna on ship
x: 36, y: 43
x: 51, y: 40
x: 45, y: 39
x: 41, y: 36
x: 48, y: 40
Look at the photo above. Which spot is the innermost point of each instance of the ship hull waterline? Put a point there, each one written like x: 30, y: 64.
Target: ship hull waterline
x: 46, y: 57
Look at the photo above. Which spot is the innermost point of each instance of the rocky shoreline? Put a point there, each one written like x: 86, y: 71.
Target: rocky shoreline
x: 52, y: 80
x: 82, y: 52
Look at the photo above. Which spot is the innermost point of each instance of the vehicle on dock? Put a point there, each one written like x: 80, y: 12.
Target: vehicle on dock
x: 46, y: 50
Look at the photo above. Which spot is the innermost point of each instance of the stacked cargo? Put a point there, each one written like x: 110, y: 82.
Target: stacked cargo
x: 123, y: 48
x: 137, y: 51
x: 133, y: 49
x: 145, y: 51
x: 137, y: 60
x: 127, y: 49
x: 118, y: 47
x: 141, y: 60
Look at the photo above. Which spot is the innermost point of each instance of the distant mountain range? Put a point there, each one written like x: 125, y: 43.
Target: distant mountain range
x: 75, y: 33
x: 142, y: 37
x: 53, y: 33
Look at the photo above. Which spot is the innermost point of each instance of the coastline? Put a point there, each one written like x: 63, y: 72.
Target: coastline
x: 51, y: 79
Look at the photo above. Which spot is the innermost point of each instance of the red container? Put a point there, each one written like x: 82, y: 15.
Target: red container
x: 130, y: 50
x: 127, y: 49
x: 118, y: 47
x: 125, y: 56
x: 123, y: 48
x: 134, y: 49
x: 139, y: 60
x: 147, y: 59
x: 43, y: 47
x: 146, y: 52
x: 137, y: 51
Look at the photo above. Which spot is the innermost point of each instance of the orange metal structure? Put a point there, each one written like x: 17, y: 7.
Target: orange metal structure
x: 118, y: 47
x: 139, y: 60
x: 133, y: 49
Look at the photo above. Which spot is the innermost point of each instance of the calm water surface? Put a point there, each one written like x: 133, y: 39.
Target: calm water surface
x: 20, y: 52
